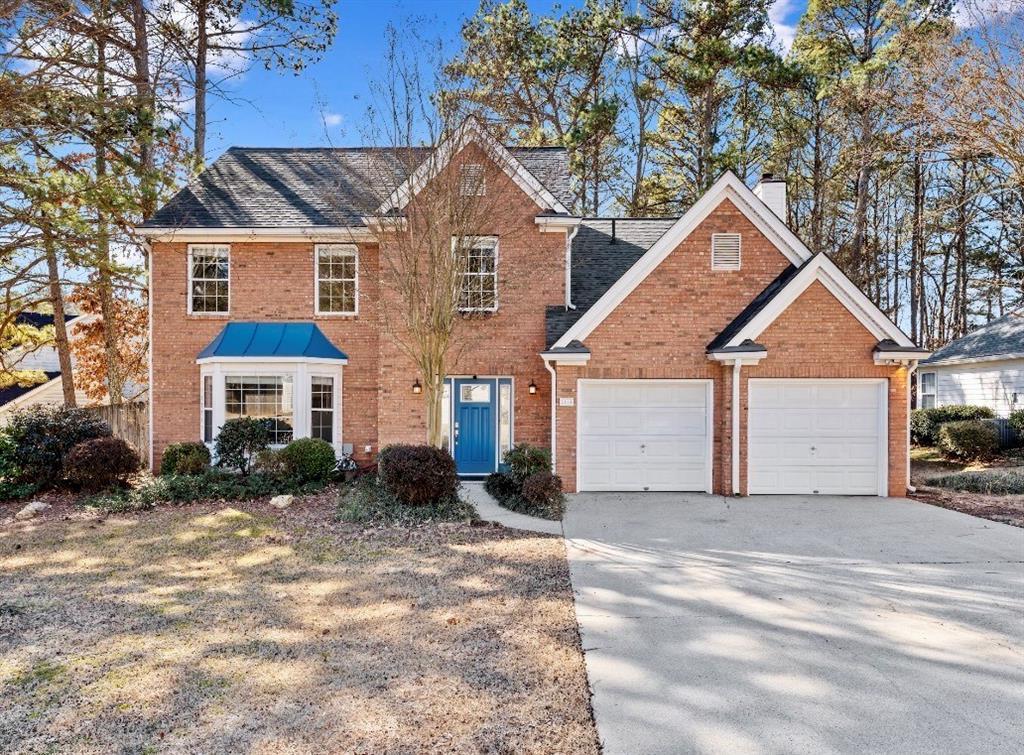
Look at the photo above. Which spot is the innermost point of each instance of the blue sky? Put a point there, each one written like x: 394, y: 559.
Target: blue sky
x: 278, y: 109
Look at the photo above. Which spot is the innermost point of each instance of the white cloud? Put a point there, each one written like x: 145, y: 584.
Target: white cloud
x: 974, y: 13
x: 780, y: 15
x: 333, y: 119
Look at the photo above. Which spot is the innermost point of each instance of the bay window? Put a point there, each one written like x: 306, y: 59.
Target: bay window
x: 266, y: 397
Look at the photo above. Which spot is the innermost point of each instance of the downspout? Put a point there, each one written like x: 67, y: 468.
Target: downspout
x: 911, y: 369
x: 736, y: 426
x: 554, y: 386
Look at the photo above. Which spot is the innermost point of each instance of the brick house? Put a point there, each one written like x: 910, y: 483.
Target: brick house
x: 710, y: 352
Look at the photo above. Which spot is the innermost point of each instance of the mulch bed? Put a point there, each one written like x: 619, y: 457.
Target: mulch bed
x: 1008, y: 509
x: 235, y: 627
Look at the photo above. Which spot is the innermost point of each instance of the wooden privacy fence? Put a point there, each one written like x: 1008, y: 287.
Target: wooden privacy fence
x: 1007, y: 436
x: 129, y: 422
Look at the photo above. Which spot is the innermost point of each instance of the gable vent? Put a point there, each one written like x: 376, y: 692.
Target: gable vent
x: 725, y: 251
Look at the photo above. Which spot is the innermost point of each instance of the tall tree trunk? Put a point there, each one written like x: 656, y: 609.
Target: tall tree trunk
x: 199, y: 138
x: 145, y: 110
x: 916, y: 246
x: 60, y: 328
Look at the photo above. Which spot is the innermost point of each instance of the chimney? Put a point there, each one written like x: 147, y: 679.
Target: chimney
x: 772, y: 191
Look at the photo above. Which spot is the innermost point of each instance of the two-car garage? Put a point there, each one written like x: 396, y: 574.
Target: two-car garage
x: 805, y: 436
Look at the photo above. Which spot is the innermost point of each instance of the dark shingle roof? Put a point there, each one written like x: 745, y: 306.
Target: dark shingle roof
x: 14, y: 391
x: 1000, y: 337
x: 39, y: 319
x: 756, y: 304
x: 280, y: 187
x: 598, y: 260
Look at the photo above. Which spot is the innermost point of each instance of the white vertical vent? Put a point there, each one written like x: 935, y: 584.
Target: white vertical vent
x: 725, y: 251
x: 472, y: 182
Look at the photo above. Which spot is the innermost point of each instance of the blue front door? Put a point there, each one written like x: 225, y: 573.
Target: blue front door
x: 476, y: 438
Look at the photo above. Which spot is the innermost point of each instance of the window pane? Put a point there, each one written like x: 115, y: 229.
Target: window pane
x: 321, y: 395
x: 478, y: 393
x: 504, y: 418
x: 209, y: 271
x: 266, y: 397
x: 337, y: 272
x: 446, y: 416
x: 928, y: 402
x: 928, y: 382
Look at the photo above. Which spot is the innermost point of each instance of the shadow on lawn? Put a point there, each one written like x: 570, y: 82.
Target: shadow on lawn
x: 220, y: 630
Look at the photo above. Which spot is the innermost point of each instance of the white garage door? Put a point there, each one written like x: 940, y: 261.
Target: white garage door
x: 817, y: 436
x: 644, y: 435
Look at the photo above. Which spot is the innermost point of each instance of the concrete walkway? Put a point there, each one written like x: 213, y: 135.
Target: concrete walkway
x: 489, y: 510
x: 798, y: 625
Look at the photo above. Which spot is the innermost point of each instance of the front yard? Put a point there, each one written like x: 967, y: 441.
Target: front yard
x: 238, y: 628
x: 959, y: 485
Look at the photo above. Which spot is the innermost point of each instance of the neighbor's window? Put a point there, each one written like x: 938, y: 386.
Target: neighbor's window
x: 725, y: 251
x: 479, y: 275
x: 207, y: 408
x: 337, y: 277
x: 321, y: 403
x: 208, y: 276
x: 927, y: 390
x: 472, y: 182
x: 269, y: 397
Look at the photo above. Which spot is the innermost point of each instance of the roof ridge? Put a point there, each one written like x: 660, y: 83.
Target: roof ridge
x: 368, y: 148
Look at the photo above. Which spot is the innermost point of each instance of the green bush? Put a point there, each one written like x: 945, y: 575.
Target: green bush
x: 101, y: 463
x: 524, y: 460
x: 185, y: 458
x: 1017, y: 423
x: 543, y: 493
x: 366, y: 500
x: 42, y: 437
x: 240, y: 441
x: 969, y: 439
x: 11, y: 486
x: 308, y: 459
x: 991, y: 482
x: 269, y: 461
x: 925, y: 423
x: 417, y: 475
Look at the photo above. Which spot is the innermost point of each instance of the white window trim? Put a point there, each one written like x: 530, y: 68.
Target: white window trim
x: 188, y: 278
x: 934, y: 393
x: 316, y: 281
x: 480, y: 241
x: 301, y: 371
x: 335, y: 406
x: 739, y: 253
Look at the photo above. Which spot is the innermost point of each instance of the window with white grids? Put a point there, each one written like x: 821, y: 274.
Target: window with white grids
x: 725, y: 251
x: 321, y: 407
x: 927, y: 390
x: 209, y: 268
x: 472, y: 182
x: 479, y: 274
x: 337, y: 279
x: 266, y: 397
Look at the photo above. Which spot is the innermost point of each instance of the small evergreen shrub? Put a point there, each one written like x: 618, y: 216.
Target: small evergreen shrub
x: 43, y: 435
x: 969, y: 439
x: 308, y: 459
x: 925, y: 423
x: 366, y: 500
x: 185, y: 458
x: 101, y: 463
x: 501, y: 486
x: 240, y: 441
x: 524, y: 460
x: 1016, y: 422
x: 417, y: 475
x: 11, y: 486
x: 268, y: 461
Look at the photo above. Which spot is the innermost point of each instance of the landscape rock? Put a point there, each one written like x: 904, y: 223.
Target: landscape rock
x: 282, y: 501
x: 32, y: 509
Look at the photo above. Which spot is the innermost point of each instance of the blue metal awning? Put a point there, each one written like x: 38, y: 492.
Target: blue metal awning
x: 272, y: 340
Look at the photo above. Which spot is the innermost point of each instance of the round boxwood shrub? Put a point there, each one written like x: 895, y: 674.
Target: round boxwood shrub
x: 43, y: 435
x: 240, y: 441
x: 524, y: 460
x: 185, y: 458
x: 308, y: 459
x: 417, y: 475
x: 969, y: 439
x: 543, y: 492
x: 101, y: 463
x: 925, y: 423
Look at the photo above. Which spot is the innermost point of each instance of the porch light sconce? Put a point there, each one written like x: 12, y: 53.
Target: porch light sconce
x: 533, y: 387
x: 416, y: 387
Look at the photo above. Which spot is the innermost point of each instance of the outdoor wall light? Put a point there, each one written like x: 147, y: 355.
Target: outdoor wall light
x: 533, y: 387
x: 416, y: 387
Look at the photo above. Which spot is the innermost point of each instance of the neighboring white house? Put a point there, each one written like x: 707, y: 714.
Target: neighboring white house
x: 984, y: 368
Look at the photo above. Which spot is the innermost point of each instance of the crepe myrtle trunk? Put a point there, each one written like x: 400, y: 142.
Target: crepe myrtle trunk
x: 433, y: 395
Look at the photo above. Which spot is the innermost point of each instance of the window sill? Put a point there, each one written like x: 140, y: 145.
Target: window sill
x: 204, y: 315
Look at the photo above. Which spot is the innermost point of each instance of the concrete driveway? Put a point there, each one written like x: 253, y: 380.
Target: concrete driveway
x: 790, y: 624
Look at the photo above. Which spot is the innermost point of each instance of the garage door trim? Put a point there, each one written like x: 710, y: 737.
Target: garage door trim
x: 709, y: 388
x: 883, y: 419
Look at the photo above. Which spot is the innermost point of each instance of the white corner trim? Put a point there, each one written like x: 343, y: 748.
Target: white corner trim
x: 825, y: 271
x: 470, y: 131
x: 727, y: 187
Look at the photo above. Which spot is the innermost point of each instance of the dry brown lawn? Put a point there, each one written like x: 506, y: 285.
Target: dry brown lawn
x: 215, y: 628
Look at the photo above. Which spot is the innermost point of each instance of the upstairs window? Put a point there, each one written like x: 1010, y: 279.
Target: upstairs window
x: 927, y: 385
x: 479, y: 291
x: 337, y: 279
x: 472, y: 182
x: 208, y: 278
x: 725, y: 251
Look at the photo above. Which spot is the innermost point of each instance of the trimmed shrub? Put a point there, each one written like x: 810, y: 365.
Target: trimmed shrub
x: 240, y: 441
x: 969, y: 439
x: 1016, y: 421
x: 925, y: 423
x: 268, y: 461
x: 10, y: 473
x: 524, y: 460
x: 101, y: 463
x: 42, y: 437
x: 501, y: 486
x: 543, y: 492
x: 991, y: 482
x: 417, y: 475
x: 185, y: 458
x: 366, y: 500
x: 308, y: 459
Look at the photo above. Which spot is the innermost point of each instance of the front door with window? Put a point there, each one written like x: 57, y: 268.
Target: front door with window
x: 475, y: 426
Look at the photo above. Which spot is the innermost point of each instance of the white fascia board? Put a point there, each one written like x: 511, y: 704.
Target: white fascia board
x: 966, y: 361
x: 825, y: 271
x: 557, y: 223
x: 727, y: 187
x: 883, y: 358
x: 568, y: 358
x: 470, y: 131
x: 283, y: 234
x: 743, y: 357
x: 271, y: 360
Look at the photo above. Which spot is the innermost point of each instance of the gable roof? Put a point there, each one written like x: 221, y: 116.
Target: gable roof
x: 271, y: 340
x: 1000, y: 338
x: 725, y: 339
x: 260, y: 187
x: 12, y: 392
x: 728, y: 186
